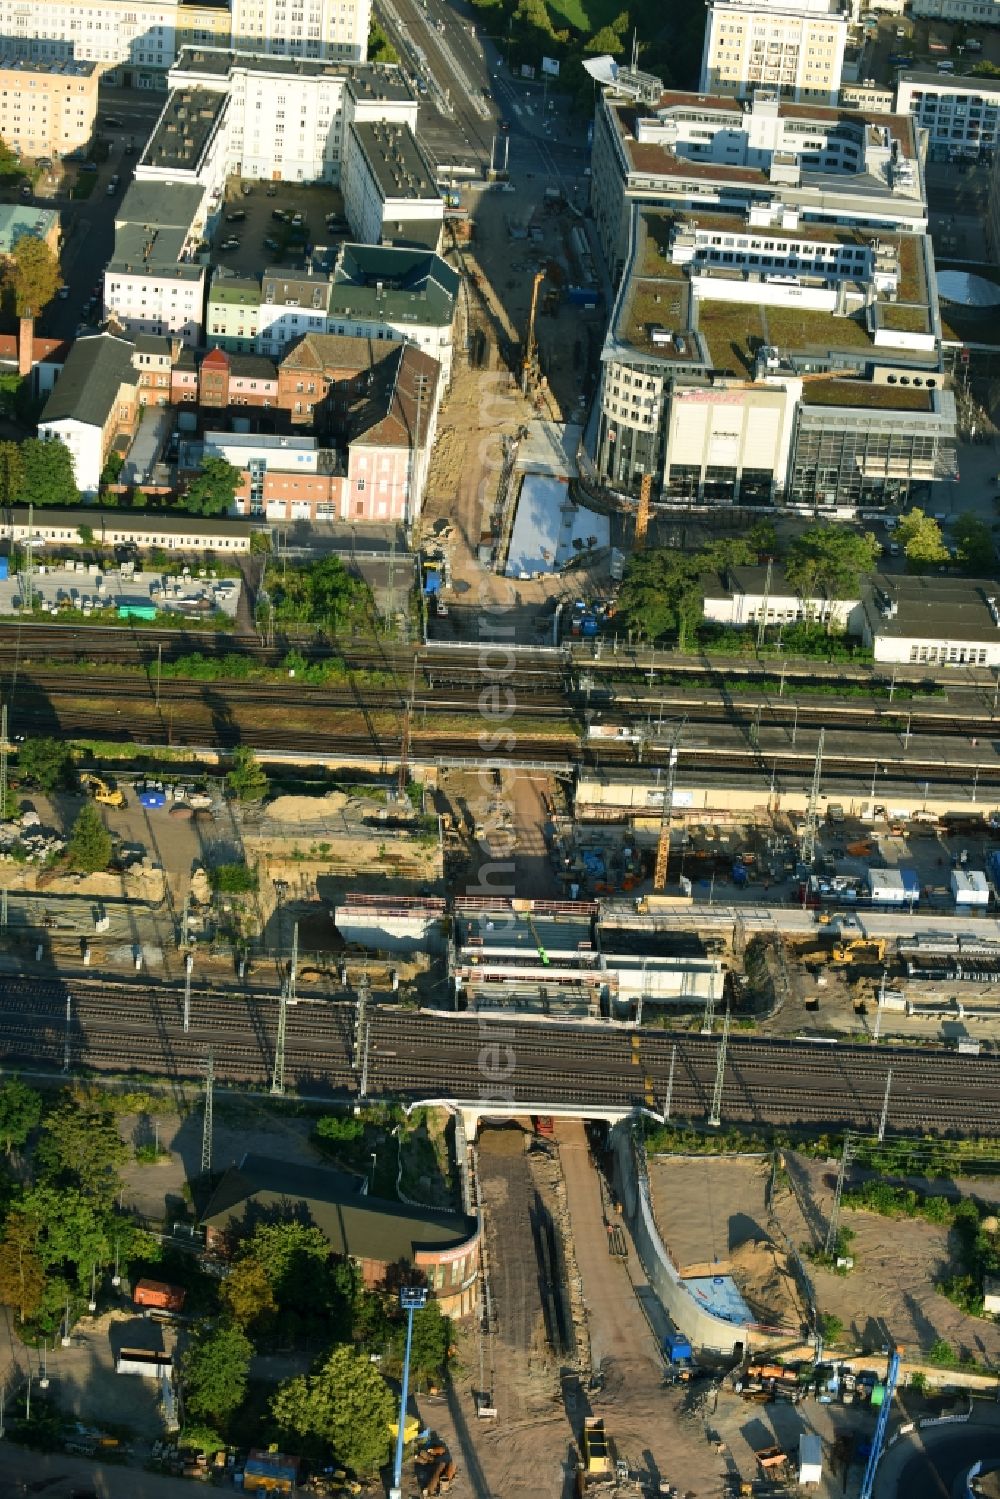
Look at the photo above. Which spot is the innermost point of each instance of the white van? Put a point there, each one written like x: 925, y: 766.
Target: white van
x: 946, y: 67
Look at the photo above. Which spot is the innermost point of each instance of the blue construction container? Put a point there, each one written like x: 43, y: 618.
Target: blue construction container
x: 911, y: 886
x: 152, y: 799
x: 676, y: 1347
x: 4, y: 569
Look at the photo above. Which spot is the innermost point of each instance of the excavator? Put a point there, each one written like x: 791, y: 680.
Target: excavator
x: 860, y: 950
x: 102, y: 793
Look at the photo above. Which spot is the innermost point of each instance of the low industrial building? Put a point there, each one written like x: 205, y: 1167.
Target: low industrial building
x: 377, y: 1235
x: 938, y: 621
x: 56, y: 527
x: 746, y: 595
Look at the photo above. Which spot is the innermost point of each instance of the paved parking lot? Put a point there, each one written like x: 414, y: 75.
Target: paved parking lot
x: 259, y: 205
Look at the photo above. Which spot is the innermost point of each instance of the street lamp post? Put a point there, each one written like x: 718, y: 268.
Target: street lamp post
x: 411, y: 1299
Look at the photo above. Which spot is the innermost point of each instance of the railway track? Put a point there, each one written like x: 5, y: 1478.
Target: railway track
x: 473, y: 1059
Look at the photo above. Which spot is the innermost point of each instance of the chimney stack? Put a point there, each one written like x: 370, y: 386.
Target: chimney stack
x: 26, y: 346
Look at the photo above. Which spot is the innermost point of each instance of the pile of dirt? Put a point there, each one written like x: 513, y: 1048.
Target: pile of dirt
x: 766, y: 1282
x: 306, y: 808
x: 201, y: 887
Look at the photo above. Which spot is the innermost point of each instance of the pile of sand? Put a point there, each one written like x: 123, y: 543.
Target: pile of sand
x: 306, y: 808
x: 762, y: 1273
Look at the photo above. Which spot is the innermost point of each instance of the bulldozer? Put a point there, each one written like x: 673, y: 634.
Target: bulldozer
x: 102, y: 793
x: 860, y: 950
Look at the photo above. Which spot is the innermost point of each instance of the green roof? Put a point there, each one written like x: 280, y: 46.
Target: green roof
x: 361, y: 1226
x: 243, y: 293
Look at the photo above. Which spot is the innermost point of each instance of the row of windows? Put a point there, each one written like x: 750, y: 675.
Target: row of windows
x: 968, y: 654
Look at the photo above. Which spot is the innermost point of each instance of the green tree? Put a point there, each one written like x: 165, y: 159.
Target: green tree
x: 89, y: 846
x: 605, y: 40
x: 22, y: 1274
x: 81, y: 1144
x: 830, y: 561
x: 431, y: 1340
x: 346, y: 1406
x: 921, y: 540
x: 294, y: 1257
x: 47, y: 763
x: 67, y: 1230
x: 248, y: 1295
x: 86, y: 535
x: 974, y: 541
x: 10, y: 164
x: 215, y: 1370
x: 830, y: 1326
x: 31, y: 276
x: 20, y: 1111
x: 11, y: 473
x: 380, y: 49
x: 213, y: 491
x: 247, y: 780
x: 47, y: 473
x: 660, y: 594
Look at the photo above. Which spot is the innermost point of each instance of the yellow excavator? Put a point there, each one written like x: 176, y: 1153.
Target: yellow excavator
x: 102, y: 793
x: 860, y: 950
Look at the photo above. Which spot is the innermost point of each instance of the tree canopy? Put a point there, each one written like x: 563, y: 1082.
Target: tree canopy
x: 48, y: 763
x: 215, y: 1370
x: 20, y: 1111
x: 89, y: 846
x: 46, y: 473
x: 247, y: 780
x: 82, y: 1146
x: 662, y: 590
x: 830, y: 561
x: 214, y: 489
x: 31, y: 276
x: 921, y: 539
x: 346, y: 1406
x: 974, y: 541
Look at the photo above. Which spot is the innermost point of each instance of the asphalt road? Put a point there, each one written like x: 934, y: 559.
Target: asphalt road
x: 88, y: 223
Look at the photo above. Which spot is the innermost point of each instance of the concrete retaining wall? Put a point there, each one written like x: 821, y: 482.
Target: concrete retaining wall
x: 705, y: 1332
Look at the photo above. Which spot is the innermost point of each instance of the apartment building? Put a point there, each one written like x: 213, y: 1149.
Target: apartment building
x: 389, y: 186
x: 287, y: 118
x: 152, y: 283
x: 135, y: 42
x: 19, y: 219
x: 47, y: 108
x: 961, y: 115
x: 94, y: 402
x: 776, y: 334
x: 334, y: 29
x: 793, y: 47
x: 374, y: 292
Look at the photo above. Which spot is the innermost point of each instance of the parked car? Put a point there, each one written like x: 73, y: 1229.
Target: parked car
x: 112, y: 122
x: 279, y: 215
x: 113, y: 186
x: 63, y: 293
x: 271, y: 244
x: 88, y: 166
x: 230, y: 244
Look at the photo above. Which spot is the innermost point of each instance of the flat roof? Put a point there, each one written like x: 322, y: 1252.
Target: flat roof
x: 19, y: 219
x: 184, y: 128
x: 395, y: 161
x: 242, y: 291
x: 64, y: 67
x: 932, y: 608
x: 866, y: 393
x: 368, y: 80
x: 976, y: 83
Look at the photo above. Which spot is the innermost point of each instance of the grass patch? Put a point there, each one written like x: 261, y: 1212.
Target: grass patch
x: 900, y: 319
x: 793, y: 329
x: 863, y: 393
x: 586, y: 16
x: 84, y: 185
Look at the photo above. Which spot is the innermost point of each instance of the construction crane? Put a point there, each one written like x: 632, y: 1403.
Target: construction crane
x: 882, y: 1424
x: 667, y: 815
x: 642, y: 514
x: 529, y: 365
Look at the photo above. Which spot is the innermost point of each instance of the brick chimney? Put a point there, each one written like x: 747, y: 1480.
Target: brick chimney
x: 26, y: 346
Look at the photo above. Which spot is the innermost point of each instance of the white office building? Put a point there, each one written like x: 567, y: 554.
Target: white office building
x: 390, y: 193
x: 961, y: 114
x: 335, y: 29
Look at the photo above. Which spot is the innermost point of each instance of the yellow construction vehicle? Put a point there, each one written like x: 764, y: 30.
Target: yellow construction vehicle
x: 860, y: 950
x: 101, y: 791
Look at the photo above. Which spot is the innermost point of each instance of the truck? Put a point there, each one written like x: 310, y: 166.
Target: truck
x: 159, y: 1295
x: 679, y: 1355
